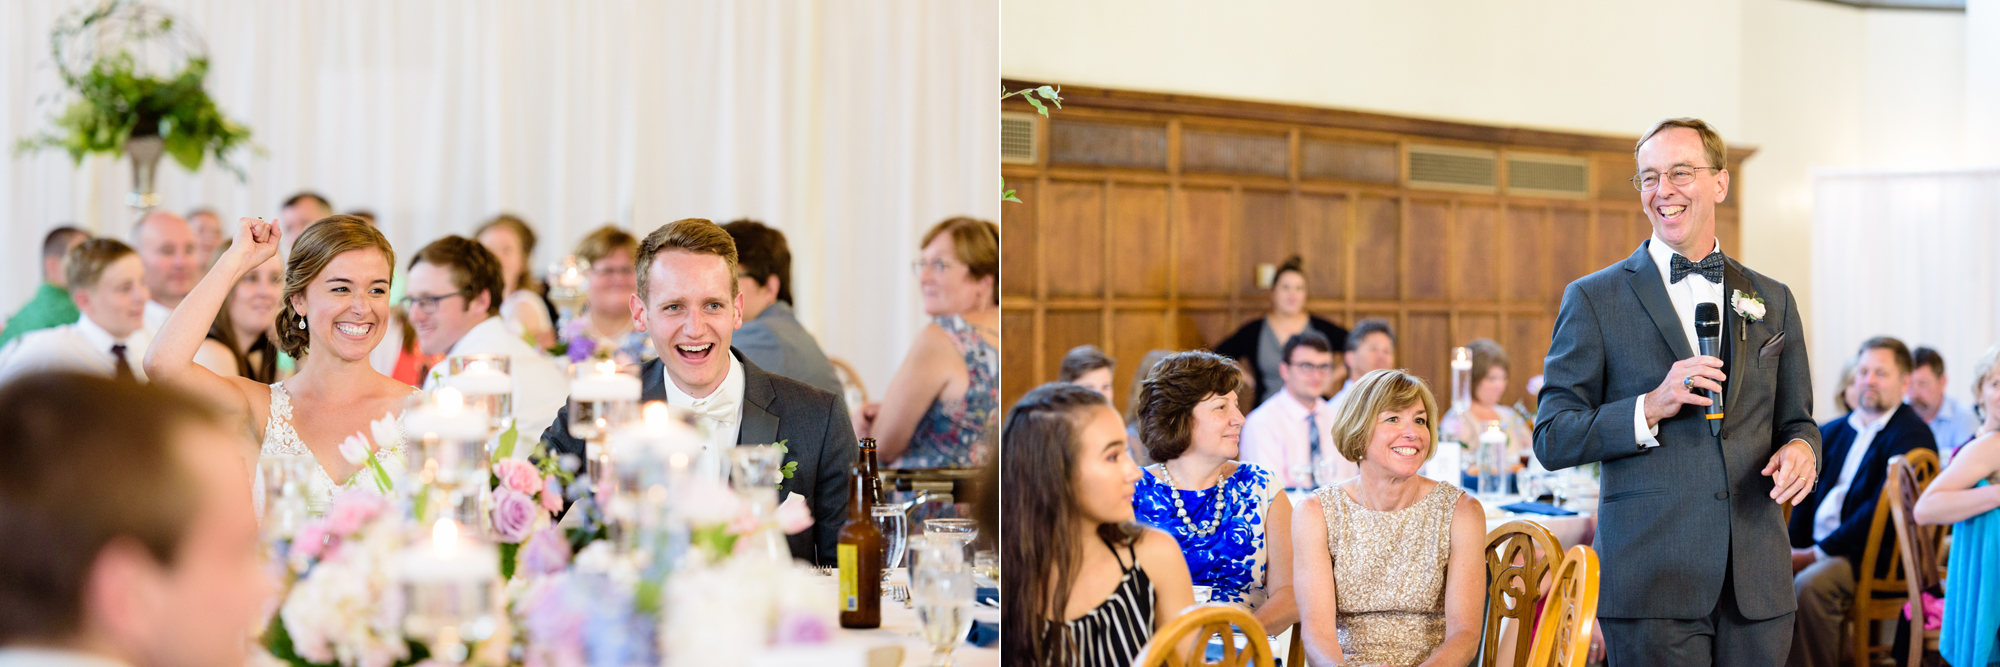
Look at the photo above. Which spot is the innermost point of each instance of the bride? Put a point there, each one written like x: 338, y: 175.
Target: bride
x: 335, y: 308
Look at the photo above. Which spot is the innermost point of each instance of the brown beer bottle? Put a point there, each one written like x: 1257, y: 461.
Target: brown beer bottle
x: 860, y: 555
x: 870, y: 467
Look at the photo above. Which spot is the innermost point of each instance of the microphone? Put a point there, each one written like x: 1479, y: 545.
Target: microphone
x: 1708, y: 332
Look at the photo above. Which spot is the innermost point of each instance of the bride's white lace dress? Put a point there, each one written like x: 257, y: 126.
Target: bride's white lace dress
x: 281, y: 440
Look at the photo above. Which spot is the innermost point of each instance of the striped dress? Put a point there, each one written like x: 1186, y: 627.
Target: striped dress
x: 1113, y: 634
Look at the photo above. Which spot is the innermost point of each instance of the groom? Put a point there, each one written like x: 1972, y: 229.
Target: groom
x: 688, y: 304
x: 1697, y: 568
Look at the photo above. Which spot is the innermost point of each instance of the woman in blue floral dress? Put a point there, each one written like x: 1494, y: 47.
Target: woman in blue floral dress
x: 1232, y: 519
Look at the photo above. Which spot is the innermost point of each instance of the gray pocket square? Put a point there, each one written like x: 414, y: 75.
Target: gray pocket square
x: 1774, y: 347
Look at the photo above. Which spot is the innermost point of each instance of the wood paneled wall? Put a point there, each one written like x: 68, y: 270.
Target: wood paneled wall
x: 1144, y: 217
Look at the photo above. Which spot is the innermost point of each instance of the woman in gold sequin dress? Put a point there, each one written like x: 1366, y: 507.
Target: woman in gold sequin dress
x: 1388, y: 565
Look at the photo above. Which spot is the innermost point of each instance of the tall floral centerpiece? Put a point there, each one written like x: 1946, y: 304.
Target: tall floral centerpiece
x: 136, y: 74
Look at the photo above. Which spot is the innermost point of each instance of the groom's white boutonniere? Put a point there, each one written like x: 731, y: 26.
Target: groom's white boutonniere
x: 1750, y: 307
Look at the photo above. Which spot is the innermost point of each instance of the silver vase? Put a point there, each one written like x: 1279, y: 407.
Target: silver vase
x: 145, y: 152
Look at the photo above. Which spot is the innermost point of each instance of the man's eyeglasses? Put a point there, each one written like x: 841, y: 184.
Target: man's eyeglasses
x: 428, y: 304
x: 935, y: 265
x: 1316, y: 368
x: 1679, y: 176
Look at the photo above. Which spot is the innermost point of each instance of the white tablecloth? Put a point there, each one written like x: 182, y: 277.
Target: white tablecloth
x: 899, y: 629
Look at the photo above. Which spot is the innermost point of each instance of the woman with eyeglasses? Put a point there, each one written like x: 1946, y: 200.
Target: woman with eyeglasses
x: 604, y: 329
x: 1259, y: 343
x: 937, y: 407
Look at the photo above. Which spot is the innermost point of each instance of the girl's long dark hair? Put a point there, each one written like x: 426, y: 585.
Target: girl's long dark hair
x: 1040, y: 555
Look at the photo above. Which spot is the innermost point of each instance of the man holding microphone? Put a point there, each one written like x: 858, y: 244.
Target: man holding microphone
x: 1684, y: 373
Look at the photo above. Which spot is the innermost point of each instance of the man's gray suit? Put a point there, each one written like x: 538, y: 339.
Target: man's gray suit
x: 1676, y: 520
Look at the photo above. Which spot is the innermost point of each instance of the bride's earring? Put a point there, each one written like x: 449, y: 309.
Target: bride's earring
x: 302, y: 324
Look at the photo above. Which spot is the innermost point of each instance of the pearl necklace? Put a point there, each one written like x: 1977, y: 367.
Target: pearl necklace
x: 1203, y: 529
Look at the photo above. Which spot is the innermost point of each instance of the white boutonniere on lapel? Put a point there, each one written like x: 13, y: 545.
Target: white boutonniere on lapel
x: 1748, y: 306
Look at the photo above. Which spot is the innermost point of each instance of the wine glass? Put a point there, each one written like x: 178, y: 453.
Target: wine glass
x: 568, y: 285
x: 895, y: 527
x: 941, y: 592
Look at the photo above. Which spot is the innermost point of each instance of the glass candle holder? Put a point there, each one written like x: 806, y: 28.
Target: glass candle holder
x: 450, y: 456
x: 486, y: 382
x: 601, y: 400
x: 449, y: 584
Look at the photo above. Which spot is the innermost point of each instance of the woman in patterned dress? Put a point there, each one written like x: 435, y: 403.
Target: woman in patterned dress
x: 1390, y: 564
x: 936, y: 409
x: 1096, y: 586
x: 334, y: 310
x: 1232, y: 519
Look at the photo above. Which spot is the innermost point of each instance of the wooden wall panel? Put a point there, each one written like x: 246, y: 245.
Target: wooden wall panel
x: 1377, y: 240
x: 1322, y: 230
x: 1139, y: 249
x: 1067, y: 329
x: 1076, y: 226
x: 1198, y: 329
x: 1206, y: 237
x: 1133, y: 334
x: 1429, y: 234
x: 1086, y: 143
x: 1423, y: 347
x: 1144, y: 225
x: 1568, y: 249
x: 1528, y: 253
x: 1019, y: 240
x: 1017, y: 367
x: 1477, y: 252
x: 1264, y: 236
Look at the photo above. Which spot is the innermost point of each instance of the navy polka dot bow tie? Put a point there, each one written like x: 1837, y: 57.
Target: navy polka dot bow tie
x: 1709, y: 267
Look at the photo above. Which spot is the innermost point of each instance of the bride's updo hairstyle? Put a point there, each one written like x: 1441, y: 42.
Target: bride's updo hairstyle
x: 326, y: 239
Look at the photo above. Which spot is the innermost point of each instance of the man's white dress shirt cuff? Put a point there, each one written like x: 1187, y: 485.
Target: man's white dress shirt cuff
x: 1646, y: 436
x: 1819, y: 555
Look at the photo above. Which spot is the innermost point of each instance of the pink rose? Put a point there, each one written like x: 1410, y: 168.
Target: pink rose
x: 797, y: 628
x: 310, y: 540
x: 545, y: 553
x: 794, y: 516
x: 513, y: 515
x: 351, y: 510
x: 518, y: 475
x: 552, y: 495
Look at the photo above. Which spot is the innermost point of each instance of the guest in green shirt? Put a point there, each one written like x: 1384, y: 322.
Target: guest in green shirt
x: 51, y: 306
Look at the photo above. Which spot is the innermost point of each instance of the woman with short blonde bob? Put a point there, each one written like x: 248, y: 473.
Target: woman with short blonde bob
x: 1389, y: 564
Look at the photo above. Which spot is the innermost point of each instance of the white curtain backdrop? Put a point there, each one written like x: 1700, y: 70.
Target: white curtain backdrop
x: 852, y: 125
x: 1909, y: 254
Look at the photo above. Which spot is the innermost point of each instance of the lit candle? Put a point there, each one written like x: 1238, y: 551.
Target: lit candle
x: 1461, y: 359
x: 449, y: 558
x: 446, y: 417
x: 604, y: 383
x: 480, y: 378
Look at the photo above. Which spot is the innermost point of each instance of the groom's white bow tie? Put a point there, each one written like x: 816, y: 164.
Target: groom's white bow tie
x: 716, y: 409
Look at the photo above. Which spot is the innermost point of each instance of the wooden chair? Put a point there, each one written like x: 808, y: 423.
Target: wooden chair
x: 1569, y: 613
x: 1519, y: 555
x: 1296, y: 657
x: 1203, y: 622
x: 850, y: 382
x: 1880, y: 597
x: 1918, y: 547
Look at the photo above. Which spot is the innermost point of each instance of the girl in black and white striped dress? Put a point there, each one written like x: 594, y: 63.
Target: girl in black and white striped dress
x: 1085, y: 586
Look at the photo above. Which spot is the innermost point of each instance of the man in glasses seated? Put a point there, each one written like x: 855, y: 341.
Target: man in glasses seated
x: 1291, y: 433
x: 453, y: 302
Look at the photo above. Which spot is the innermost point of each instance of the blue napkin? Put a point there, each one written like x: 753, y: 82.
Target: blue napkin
x: 987, y: 595
x: 1537, y: 508
x: 984, y: 634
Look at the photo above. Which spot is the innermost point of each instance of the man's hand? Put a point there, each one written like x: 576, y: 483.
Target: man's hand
x: 1793, y: 472
x: 1676, y: 390
x: 1802, y: 559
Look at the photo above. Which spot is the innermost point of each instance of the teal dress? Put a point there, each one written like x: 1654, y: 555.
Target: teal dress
x: 952, y: 433
x: 1972, y: 592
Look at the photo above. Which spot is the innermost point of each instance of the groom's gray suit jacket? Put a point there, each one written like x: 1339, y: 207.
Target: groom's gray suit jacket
x: 1673, y: 519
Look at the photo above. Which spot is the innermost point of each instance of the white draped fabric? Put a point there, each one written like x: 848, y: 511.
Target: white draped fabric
x: 1910, y: 254
x: 852, y: 125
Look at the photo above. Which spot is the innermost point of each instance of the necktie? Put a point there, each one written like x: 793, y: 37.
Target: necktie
x: 124, y: 367
x: 1312, y: 442
x: 1709, y: 267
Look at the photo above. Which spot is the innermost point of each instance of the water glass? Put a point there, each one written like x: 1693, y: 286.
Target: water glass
x: 895, y: 527
x: 962, y: 530
x: 941, y: 592
x: 1203, y: 593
